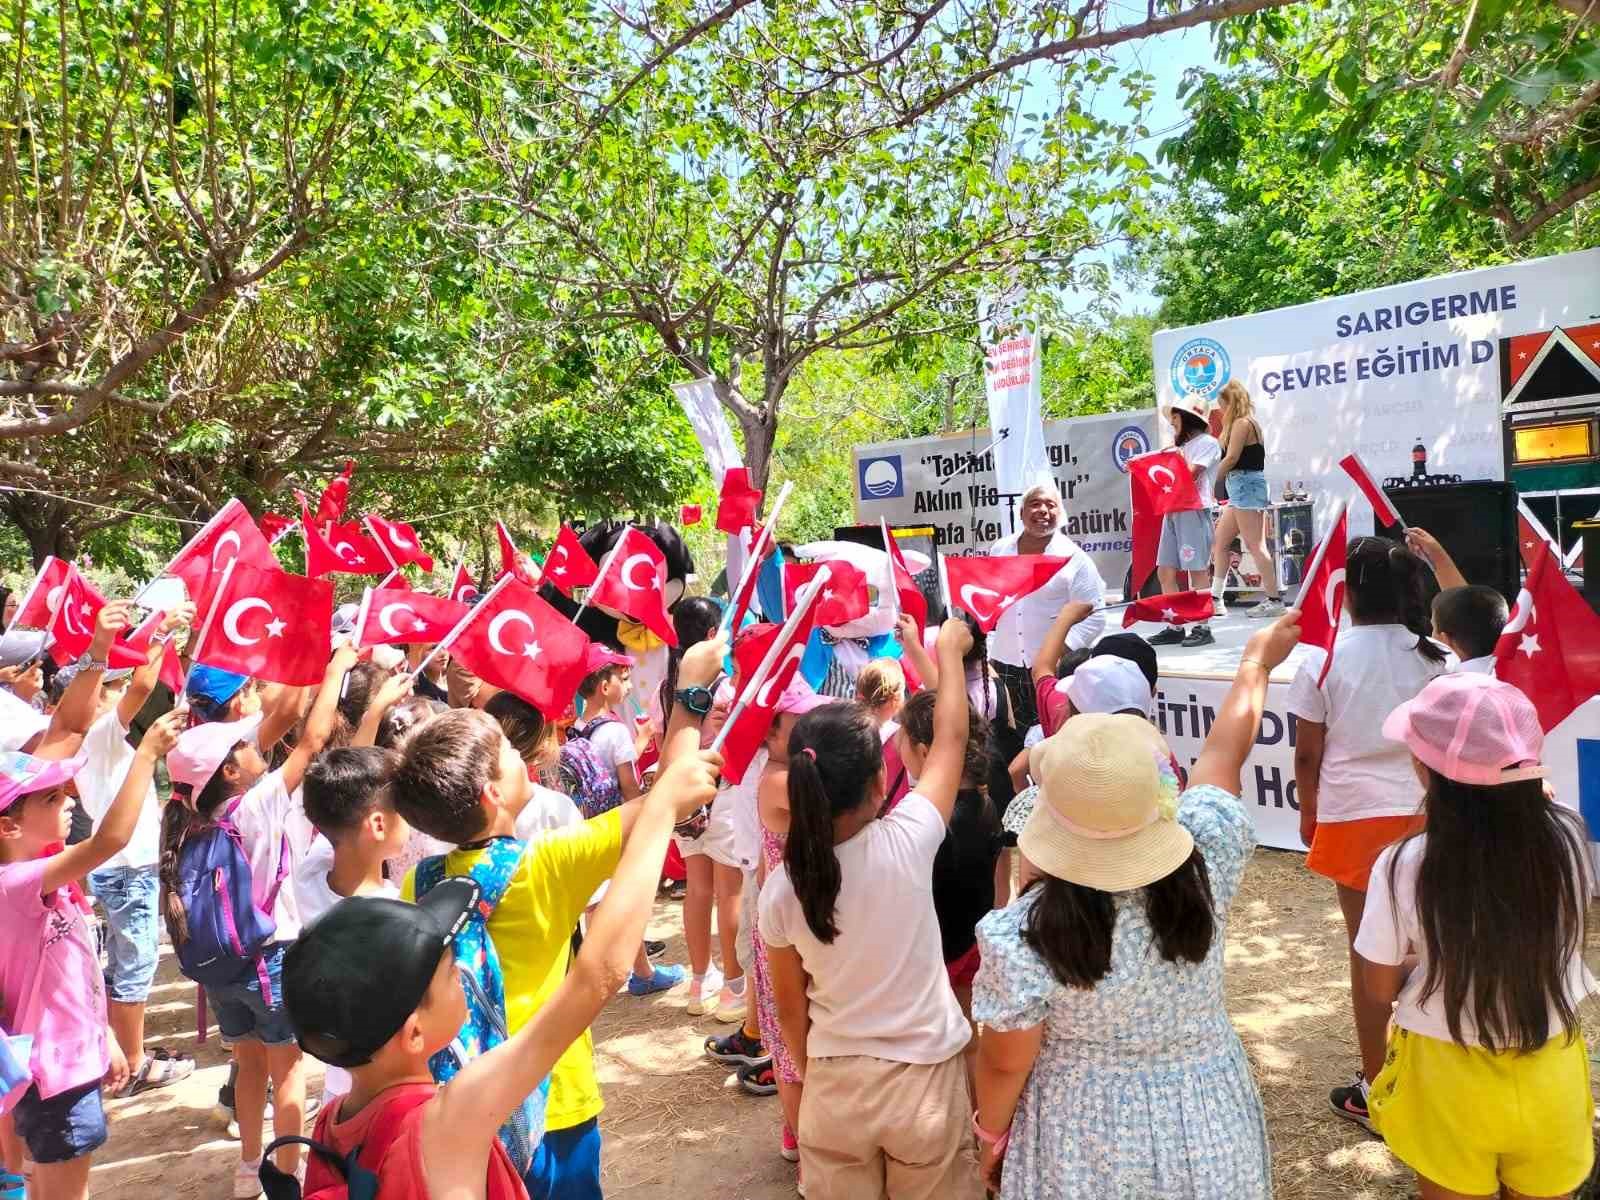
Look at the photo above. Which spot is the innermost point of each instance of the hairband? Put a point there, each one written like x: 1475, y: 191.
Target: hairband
x: 810, y: 753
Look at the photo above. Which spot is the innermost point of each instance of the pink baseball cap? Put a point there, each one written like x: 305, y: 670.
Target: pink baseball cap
x: 800, y: 698
x: 201, y: 749
x: 601, y: 655
x: 23, y: 774
x: 1471, y: 728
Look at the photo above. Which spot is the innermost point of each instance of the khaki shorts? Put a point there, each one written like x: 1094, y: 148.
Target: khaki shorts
x: 871, y: 1129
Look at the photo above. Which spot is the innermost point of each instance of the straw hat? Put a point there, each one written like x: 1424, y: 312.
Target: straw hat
x: 1100, y: 821
x: 1195, y: 406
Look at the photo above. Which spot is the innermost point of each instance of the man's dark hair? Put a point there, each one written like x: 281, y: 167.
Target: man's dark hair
x: 342, y: 786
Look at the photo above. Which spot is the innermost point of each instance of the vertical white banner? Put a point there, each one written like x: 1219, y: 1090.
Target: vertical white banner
x: 704, y: 410
x: 1011, y: 371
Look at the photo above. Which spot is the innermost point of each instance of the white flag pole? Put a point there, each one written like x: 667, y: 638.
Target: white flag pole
x: 944, y: 583
x: 894, y: 585
x: 802, y: 606
x: 753, y: 560
x: 366, y: 522
x: 600, y: 575
x: 361, y: 618
x: 461, y: 625
x: 205, y: 626
x: 1321, y: 550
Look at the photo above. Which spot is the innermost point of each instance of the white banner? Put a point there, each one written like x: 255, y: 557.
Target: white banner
x: 1011, y: 370
x: 705, y: 413
x: 949, y: 483
x: 1378, y: 371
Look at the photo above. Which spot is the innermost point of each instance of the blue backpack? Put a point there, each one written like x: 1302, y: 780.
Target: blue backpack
x: 588, y: 778
x: 227, y: 930
x: 478, y: 963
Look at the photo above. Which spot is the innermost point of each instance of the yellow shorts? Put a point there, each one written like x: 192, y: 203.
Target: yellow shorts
x: 1470, y: 1120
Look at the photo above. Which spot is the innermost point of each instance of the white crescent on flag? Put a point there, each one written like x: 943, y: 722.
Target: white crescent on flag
x: 385, y: 621
x: 399, y: 540
x: 1160, y: 469
x: 765, y: 698
x: 233, y: 536
x: 231, y: 618
x: 628, y: 569
x: 1521, y: 614
x: 1335, y: 580
x: 498, y: 626
x: 553, y: 561
x: 970, y: 590
x: 71, y: 622
x: 354, y: 556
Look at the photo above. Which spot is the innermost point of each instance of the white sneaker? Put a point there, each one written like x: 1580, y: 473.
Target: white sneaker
x: 1219, y: 607
x: 247, y: 1180
x: 730, y: 1004
x: 1268, y: 608
x: 704, y: 993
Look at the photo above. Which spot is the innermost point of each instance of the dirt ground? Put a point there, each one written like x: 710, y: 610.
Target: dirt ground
x: 676, y: 1126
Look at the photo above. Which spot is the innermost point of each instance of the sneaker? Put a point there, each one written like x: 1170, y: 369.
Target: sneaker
x: 1170, y: 636
x: 661, y: 979
x: 738, y: 1049
x: 654, y: 949
x: 1219, y: 606
x: 730, y: 1003
x: 1268, y: 608
x: 800, y: 1184
x: 758, y: 1079
x: 247, y: 1180
x: 790, y: 1150
x: 703, y: 989
x: 1200, y: 635
x: 1350, y: 1102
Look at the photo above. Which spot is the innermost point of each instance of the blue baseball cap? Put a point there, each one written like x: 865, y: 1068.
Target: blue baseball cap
x: 215, y: 685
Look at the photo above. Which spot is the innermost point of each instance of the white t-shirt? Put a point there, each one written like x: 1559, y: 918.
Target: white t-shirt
x: 880, y: 988
x: 1375, y: 669
x: 109, y: 757
x: 1477, y: 666
x: 1204, y: 451
x: 1391, y: 929
x: 271, y: 822
x: 1022, y: 628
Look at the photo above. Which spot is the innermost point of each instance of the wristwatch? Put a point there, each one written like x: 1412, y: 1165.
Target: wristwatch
x: 696, y: 699
x: 87, y: 662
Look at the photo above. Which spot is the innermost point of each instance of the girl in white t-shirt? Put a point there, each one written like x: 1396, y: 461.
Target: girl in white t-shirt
x: 864, y: 1003
x: 1355, y: 788
x: 1485, y: 1087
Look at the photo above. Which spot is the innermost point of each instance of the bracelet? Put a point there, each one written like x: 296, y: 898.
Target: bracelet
x: 997, y: 1141
x: 1257, y: 662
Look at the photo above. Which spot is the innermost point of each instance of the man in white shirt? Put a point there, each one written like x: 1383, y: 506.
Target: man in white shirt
x: 1021, y: 632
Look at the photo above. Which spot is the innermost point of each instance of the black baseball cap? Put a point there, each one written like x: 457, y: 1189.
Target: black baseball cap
x: 357, y: 972
x: 1133, y: 648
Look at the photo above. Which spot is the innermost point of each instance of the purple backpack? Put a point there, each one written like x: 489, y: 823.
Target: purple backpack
x: 588, y: 778
x: 227, y: 931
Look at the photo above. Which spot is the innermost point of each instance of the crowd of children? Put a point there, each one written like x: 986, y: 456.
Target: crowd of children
x: 432, y: 888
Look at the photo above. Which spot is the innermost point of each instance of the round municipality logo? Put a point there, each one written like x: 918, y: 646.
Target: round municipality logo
x: 1199, y: 369
x: 1129, y: 442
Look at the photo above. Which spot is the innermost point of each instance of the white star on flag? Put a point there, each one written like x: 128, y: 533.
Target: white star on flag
x: 1169, y: 615
x: 84, y: 608
x: 827, y: 593
x: 1530, y: 644
x: 1522, y: 354
x: 275, y: 627
x: 1008, y: 601
x: 419, y: 626
x: 1166, y: 487
x: 531, y: 650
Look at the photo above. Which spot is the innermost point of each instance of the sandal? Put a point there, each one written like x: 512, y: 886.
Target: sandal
x: 758, y: 1079
x: 160, y: 1067
x: 12, y: 1187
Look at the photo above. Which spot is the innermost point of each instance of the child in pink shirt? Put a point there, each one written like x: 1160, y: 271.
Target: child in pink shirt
x: 50, y: 980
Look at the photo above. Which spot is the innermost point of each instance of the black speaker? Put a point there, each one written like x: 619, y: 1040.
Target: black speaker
x: 1476, y: 522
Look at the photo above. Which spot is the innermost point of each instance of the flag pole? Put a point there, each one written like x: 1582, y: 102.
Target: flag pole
x: 944, y: 582
x: 361, y: 618
x: 1321, y: 550
x: 888, y: 550
x: 753, y: 560
x: 461, y: 625
x: 802, y: 606
x: 600, y: 575
x: 366, y: 522
x: 205, y: 626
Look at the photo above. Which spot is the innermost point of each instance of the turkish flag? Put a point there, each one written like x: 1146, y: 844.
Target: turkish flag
x: 568, y: 565
x: 401, y: 541
x: 635, y: 583
x: 514, y: 562
x: 39, y: 602
x: 907, y: 594
x: 1177, y: 608
x: 229, y: 536
x: 1321, y: 598
x: 743, y: 735
x: 843, y: 598
x: 738, y: 502
x: 273, y: 526
x: 986, y: 586
x: 1550, y: 648
x: 1160, y: 483
x: 394, y: 579
x: 516, y: 641
x: 1383, y: 509
x: 346, y: 550
x: 132, y: 649
x: 402, y: 617
x: 72, y: 623
x: 689, y: 514
x: 269, y: 624
x: 463, y: 588
x: 330, y: 507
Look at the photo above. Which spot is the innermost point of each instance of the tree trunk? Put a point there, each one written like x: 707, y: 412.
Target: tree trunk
x: 46, y: 523
x: 759, y: 435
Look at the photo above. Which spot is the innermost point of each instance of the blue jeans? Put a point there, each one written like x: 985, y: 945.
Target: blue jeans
x: 129, y: 896
x: 566, y: 1164
x: 245, y: 1015
x: 1248, y: 489
x: 64, y: 1127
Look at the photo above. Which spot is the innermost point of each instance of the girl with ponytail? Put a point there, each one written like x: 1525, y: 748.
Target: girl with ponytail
x: 864, y: 1002
x: 1356, y: 790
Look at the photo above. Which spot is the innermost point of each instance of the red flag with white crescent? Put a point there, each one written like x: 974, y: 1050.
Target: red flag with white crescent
x: 568, y: 565
x: 635, y: 585
x: 987, y: 585
x: 844, y: 598
x: 516, y: 641
x: 1160, y: 482
x: 514, y: 562
x: 1550, y: 646
x: 1321, y: 598
x: 401, y: 617
x: 269, y: 624
x: 401, y: 542
x: 1175, y: 608
x: 39, y: 602
x: 230, y: 535
x: 748, y: 729
x: 463, y: 587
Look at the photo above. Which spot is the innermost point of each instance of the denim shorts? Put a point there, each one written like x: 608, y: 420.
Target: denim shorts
x: 133, y: 938
x: 244, y: 1015
x: 64, y: 1127
x: 1248, y: 489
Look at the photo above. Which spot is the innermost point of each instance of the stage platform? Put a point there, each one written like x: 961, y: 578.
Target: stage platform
x: 1217, y: 661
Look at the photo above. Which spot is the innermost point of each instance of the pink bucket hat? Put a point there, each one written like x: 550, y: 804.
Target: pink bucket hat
x: 23, y: 774
x: 203, y: 748
x: 1471, y: 728
x: 799, y: 698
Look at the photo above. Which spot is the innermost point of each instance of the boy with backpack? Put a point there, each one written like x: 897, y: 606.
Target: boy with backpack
x: 234, y: 821
x: 373, y: 987
x: 600, y: 757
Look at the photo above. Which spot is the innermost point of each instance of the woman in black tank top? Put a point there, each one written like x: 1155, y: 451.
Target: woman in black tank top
x: 1244, y: 460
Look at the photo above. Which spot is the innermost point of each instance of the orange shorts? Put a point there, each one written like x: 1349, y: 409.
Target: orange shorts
x: 1344, y: 851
